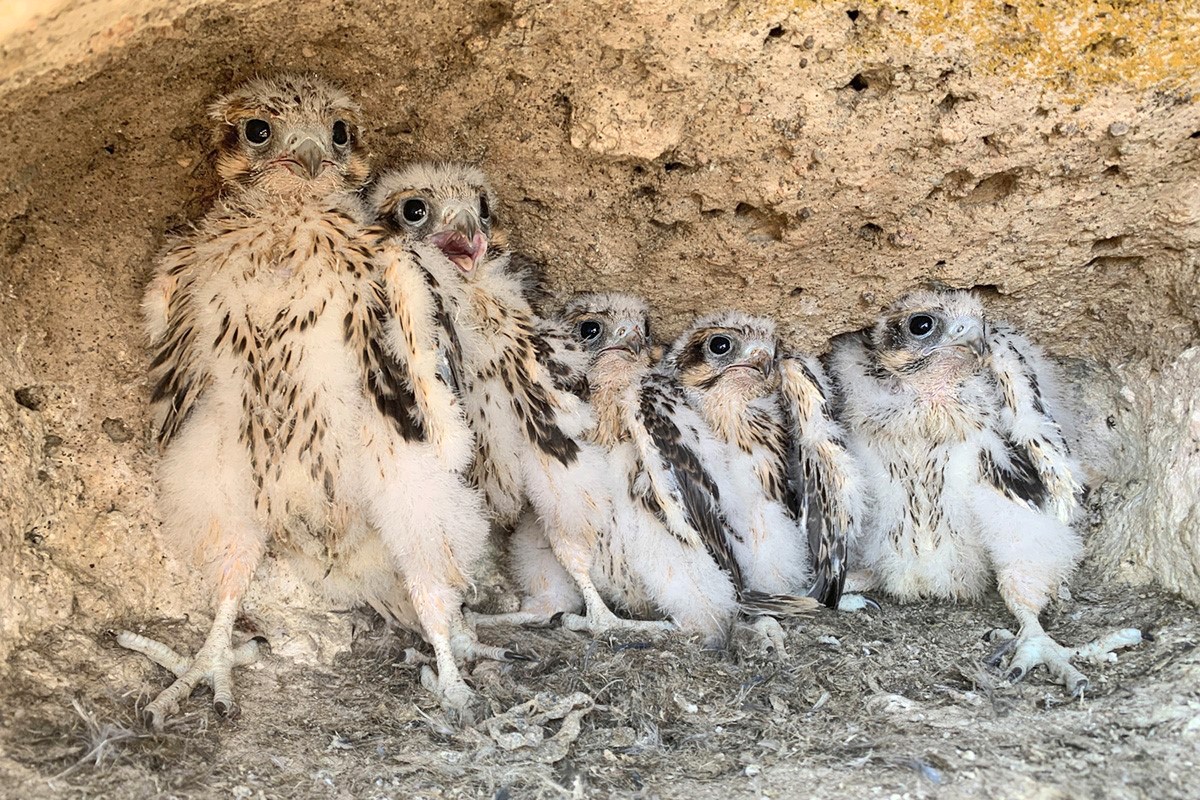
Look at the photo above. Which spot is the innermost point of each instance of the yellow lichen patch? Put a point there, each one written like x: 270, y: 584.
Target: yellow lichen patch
x: 1074, y: 46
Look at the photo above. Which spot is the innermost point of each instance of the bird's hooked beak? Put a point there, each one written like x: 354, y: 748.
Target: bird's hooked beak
x: 308, y: 151
x: 760, y: 358
x: 967, y: 334
x: 461, y: 237
x: 628, y: 336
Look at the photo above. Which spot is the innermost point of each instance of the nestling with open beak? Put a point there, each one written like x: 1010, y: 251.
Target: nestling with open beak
x: 298, y: 401
x: 795, y: 495
x: 955, y: 421
x: 521, y: 376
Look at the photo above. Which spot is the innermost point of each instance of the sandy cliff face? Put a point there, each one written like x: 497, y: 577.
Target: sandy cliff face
x: 809, y: 162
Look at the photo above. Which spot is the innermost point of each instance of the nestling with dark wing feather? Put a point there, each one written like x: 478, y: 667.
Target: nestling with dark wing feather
x: 795, y: 496
x: 521, y: 378
x: 298, y: 398
x: 653, y: 558
x: 954, y: 419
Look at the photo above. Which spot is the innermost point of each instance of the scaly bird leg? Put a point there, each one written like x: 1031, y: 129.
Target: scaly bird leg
x: 467, y: 647
x: 1032, y: 646
x: 436, y: 606
x: 536, y: 611
x: 538, y: 619
x: 213, y: 665
x: 600, y: 619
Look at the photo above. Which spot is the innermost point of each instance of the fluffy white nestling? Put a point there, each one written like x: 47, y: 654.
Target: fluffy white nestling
x: 298, y: 403
x: 521, y: 378
x: 794, y: 494
x: 953, y: 419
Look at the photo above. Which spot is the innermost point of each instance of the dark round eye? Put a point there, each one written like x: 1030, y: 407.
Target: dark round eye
x: 258, y: 131
x: 415, y: 210
x: 920, y: 325
x: 341, y: 133
x: 719, y: 345
x: 485, y: 210
x: 589, y: 329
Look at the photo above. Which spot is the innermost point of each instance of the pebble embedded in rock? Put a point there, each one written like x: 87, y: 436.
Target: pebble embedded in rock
x: 31, y: 397
x: 116, y: 429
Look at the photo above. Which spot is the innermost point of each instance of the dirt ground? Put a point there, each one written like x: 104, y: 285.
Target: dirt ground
x: 807, y: 160
x: 896, y: 703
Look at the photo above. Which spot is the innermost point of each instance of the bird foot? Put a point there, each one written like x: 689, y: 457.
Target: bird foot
x: 515, y: 618
x: 770, y: 636
x: 1034, y: 648
x: 213, y: 665
x: 468, y: 648
x: 456, y: 698
x: 856, y: 602
x: 600, y: 622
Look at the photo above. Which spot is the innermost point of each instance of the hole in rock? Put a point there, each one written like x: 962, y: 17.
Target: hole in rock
x: 1110, y: 243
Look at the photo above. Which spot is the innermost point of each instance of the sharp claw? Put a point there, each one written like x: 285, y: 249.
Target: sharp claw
x: 872, y: 603
x: 226, y: 710
x: 411, y: 656
x: 1080, y: 688
x: 1015, y: 675
x: 151, y: 719
x: 513, y: 655
x: 557, y: 619
x: 1147, y: 635
x: 998, y: 654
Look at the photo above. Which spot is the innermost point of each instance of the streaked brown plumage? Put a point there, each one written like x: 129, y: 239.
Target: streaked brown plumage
x: 299, y: 403
x: 953, y: 418
x: 522, y: 377
x: 795, y: 496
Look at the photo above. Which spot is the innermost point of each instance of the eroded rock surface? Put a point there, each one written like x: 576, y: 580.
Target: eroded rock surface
x: 809, y: 162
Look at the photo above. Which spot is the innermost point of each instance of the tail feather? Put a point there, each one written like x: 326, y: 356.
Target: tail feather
x: 778, y: 605
x: 830, y: 583
x: 824, y: 476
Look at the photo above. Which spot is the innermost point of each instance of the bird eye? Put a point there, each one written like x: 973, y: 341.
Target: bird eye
x: 719, y: 345
x: 257, y: 131
x: 415, y: 211
x: 589, y: 330
x: 920, y: 325
x: 485, y: 210
x: 341, y: 133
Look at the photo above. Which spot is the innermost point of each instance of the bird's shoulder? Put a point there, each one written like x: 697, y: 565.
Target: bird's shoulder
x: 661, y: 409
x: 557, y: 351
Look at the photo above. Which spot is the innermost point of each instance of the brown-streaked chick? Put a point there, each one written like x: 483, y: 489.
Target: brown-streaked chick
x: 666, y: 550
x: 954, y: 419
x: 521, y: 378
x: 653, y: 558
x: 298, y: 399
x: 795, y: 494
